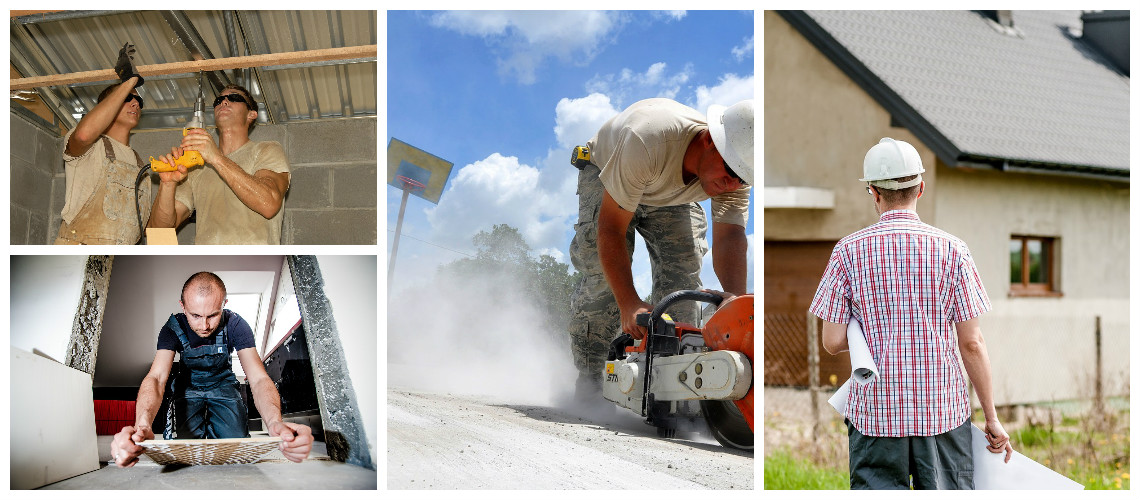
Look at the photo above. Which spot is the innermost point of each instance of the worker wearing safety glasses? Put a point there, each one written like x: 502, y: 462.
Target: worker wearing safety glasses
x: 238, y: 194
x: 101, y: 167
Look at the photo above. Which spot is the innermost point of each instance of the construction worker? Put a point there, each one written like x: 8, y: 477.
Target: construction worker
x: 649, y: 167
x: 239, y: 193
x: 917, y: 294
x: 210, y: 406
x: 100, y: 167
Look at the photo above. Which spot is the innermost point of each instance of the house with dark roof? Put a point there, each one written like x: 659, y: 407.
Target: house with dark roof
x: 1022, y: 122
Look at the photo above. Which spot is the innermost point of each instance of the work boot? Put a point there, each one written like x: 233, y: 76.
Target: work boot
x: 588, y: 389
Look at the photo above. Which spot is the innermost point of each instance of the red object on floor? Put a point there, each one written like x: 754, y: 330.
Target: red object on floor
x: 112, y: 416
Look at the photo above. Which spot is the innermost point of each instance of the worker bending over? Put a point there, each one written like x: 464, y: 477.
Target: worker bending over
x: 916, y: 292
x: 649, y: 167
x: 211, y: 406
x: 239, y: 193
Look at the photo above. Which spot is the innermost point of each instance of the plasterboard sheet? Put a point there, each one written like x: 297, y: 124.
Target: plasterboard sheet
x: 53, y: 431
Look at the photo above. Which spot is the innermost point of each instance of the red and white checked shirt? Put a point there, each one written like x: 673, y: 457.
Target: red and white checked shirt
x: 907, y: 283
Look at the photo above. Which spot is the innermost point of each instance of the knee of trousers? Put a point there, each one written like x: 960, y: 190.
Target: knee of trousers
x: 589, y: 340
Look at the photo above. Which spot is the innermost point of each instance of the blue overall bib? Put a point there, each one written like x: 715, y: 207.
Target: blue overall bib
x: 213, y: 407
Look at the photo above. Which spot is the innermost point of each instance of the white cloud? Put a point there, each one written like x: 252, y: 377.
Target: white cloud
x: 731, y: 90
x: 744, y: 50
x: 577, y: 120
x: 527, y: 38
x: 670, y: 15
x: 627, y: 85
x: 500, y: 190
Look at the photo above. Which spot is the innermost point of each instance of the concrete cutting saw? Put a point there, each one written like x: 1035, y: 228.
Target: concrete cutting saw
x: 680, y: 374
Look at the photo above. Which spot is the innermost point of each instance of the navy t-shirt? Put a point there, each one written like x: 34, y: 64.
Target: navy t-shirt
x: 238, y: 334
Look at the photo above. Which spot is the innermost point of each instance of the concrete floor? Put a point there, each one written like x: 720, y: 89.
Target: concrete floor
x: 272, y: 472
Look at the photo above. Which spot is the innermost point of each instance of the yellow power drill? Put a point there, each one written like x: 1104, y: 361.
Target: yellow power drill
x: 188, y: 158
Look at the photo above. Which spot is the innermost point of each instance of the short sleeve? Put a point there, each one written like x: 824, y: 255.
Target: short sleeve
x: 732, y: 208
x: 628, y: 171
x: 969, y: 297
x: 271, y: 156
x: 832, y: 301
x: 239, y: 331
x: 167, y: 339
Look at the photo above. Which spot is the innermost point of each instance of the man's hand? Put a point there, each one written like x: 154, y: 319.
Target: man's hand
x: 173, y: 176
x: 124, y: 450
x: 296, y: 440
x: 125, y: 66
x: 998, y: 439
x: 629, y: 318
x: 201, y: 141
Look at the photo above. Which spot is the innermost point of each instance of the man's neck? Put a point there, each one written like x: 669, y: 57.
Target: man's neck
x: 121, y: 133
x: 231, y: 139
x: 692, y: 157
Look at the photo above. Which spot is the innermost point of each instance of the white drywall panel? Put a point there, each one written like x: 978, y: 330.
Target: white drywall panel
x: 53, y: 431
x: 44, y: 296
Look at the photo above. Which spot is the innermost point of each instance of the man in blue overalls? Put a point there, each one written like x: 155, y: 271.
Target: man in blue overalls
x: 212, y: 407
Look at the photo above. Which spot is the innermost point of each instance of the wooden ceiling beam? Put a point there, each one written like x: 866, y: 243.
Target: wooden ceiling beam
x: 302, y: 56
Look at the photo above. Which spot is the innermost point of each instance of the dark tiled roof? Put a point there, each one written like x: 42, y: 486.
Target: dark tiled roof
x: 1041, y: 97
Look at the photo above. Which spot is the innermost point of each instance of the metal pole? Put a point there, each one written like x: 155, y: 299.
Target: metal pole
x: 396, y: 241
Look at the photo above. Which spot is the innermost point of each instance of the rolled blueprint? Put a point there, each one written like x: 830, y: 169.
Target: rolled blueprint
x: 991, y: 472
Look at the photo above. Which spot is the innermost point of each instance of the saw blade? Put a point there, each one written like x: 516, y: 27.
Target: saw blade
x: 727, y: 424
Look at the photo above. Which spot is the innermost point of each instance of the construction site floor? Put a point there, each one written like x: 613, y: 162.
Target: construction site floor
x: 272, y: 472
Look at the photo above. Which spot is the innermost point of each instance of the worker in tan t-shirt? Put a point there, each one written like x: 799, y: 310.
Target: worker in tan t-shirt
x: 239, y: 193
x: 100, y: 205
x: 649, y: 167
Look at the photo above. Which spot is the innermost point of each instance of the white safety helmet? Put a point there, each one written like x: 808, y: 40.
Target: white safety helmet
x: 732, y: 133
x: 891, y: 159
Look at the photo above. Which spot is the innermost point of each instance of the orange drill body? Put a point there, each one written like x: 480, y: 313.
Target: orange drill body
x: 188, y: 159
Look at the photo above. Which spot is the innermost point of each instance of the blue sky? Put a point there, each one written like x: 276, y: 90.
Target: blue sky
x: 506, y: 95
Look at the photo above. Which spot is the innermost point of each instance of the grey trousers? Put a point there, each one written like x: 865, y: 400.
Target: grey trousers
x: 941, y: 462
x: 675, y: 239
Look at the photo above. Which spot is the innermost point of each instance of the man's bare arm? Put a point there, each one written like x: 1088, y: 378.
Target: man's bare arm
x: 152, y: 388
x: 834, y: 337
x: 265, y: 395
x: 94, y: 123
x: 976, y: 358
x: 613, y: 224
x: 730, y: 257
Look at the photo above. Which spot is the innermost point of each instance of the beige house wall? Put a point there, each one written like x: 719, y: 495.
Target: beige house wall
x: 818, y: 124
x: 1052, y: 338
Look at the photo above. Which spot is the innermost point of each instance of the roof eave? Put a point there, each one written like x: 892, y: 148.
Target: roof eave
x: 874, y: 86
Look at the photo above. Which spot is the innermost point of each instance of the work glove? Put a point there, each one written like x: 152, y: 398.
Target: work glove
x: 125, y: 66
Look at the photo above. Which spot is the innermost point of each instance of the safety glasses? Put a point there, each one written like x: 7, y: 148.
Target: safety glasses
x: 235, y: 97
x: 135, y: 97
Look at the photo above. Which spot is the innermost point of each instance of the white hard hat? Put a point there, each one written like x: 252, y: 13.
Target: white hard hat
x: 891, y: 159
x: 732, y: 133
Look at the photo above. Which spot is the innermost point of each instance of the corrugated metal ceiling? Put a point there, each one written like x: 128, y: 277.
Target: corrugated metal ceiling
x: 74, y: 41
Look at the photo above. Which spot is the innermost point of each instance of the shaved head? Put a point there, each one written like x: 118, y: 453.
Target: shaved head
x: 203, y: 283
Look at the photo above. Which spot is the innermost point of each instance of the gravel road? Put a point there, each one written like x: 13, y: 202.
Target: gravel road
x: 438, y: 440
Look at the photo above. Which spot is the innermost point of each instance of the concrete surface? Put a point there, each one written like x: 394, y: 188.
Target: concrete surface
x: 272, y: 472
x: 447, y: 441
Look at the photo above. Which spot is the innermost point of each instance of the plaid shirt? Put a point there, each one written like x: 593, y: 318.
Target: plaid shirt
x: 907, y: 283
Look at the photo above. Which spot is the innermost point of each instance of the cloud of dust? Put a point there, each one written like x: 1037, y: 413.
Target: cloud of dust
x: 485, y: 338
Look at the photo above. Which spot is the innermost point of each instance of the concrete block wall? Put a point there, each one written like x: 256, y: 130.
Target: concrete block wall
x: 34, y: 159
x: 331, y: 200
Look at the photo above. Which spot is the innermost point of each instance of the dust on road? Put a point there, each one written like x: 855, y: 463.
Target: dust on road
x: 445, y: 441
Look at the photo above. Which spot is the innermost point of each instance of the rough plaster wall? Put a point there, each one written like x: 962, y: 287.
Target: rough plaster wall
x: 1048, y: 334
x: 818, y: 125
x: 332, y: 197
x: 350, y: 284
x: 45, y: 291
x: 88, y: 324
x: 345, y: 437
x: 34, y: 158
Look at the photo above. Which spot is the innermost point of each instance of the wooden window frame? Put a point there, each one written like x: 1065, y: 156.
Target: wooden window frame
x: 1026, y: 289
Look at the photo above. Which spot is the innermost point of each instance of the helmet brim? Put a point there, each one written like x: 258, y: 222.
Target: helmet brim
x: 715, y: 118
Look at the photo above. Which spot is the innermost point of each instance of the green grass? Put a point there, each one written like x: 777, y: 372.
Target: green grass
x: 784, y: 472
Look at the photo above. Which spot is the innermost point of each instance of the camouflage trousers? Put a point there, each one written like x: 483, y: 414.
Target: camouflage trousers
x: 675, y: 239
